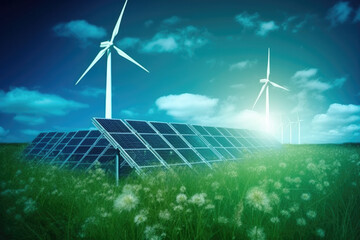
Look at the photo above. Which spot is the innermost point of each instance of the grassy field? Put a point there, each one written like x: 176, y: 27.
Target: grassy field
x: 299, y: 192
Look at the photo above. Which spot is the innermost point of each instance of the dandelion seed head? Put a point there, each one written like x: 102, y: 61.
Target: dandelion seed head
x: 222, y: 220
x: 198, y: 199
x: 305, y: 196
x: 30, y: 206
x: 311, y: 214
x: 140, y: 218
x: 182, y: 189
x: 301, y: 221
x: 258, y: 199
x: 181, y: 198
x: 126, y: 201
x: 320, y: 232
x: 256, y: 233
x: 282, y: 165
x: 164, y: 214
x: 275, y: 220
x: 285, y: 213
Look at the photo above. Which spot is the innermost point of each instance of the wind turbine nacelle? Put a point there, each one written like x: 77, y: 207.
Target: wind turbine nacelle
x: 105, y: 44
x: 263, y: 80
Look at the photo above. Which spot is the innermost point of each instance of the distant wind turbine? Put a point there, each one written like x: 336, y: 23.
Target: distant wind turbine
x: 282, y: 130
x: 107, y: 47
x: 290, y: 130
x: 266, y: 85
x: 298, y: 122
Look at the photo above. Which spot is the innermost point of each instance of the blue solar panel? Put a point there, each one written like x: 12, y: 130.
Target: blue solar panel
x: 155, y: 141
x: 163, y: 128
x: 113, y: 126
x: 182, y: 128
x: 141, y: 126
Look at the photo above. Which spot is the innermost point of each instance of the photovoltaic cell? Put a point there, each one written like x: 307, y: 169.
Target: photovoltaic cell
x: 163, y: 128
x: 144, y: 144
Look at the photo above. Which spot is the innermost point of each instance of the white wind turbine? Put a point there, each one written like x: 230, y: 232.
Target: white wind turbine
x: 298, y: 122
x: 107, y: 47
x: 266, y: 85
x: 290, y: 130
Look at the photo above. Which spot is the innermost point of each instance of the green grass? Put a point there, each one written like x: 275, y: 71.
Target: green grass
x: 299, y: 192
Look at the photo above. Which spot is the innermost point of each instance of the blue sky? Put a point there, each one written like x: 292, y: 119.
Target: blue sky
x: 205, y: 60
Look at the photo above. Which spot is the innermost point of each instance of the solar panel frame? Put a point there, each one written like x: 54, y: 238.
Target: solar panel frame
x: 157, y: 142
x: 128, y: 155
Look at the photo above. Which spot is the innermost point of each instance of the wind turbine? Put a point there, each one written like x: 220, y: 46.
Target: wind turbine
x: 298, y: 122
x: 290, y: 130
x: 282, y: 130
x: 107, y: 47
x: 266, y: 85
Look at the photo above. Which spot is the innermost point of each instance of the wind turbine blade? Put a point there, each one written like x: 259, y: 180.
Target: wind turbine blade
x: 278, y: 86
x: 124, y: 55
x: 98, y: 56
x: 268, y: 66
x: 261, y: 91
x: 117, y: 26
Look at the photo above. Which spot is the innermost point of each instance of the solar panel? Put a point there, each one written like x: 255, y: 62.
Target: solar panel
x: 142, y: 145
x: 131, y: 148
x: 158, y: 143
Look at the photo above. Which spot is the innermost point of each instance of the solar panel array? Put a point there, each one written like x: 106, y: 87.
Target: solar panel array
x: 143, y: 144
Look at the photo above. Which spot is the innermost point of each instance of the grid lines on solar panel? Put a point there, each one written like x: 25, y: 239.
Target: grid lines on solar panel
x: 176, y: 141
x: 33, y: 143
x: 51, y: 155
x: 131, y: 147
x: 39, y: 148
x: 157, y: 143
x: 196, y: 142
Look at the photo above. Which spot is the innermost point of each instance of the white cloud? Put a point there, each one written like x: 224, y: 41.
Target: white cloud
x: 30, y: 132
x: 32, y: 102
x: 3, y: 132
x: 186, y: 105
x: 242, y: 65
x: 128, y: 113
x: 79, y: 29
x: 247, y: 20
x: 306, y: 73
x: 182, y: 40
x: 172, y: 20
x: 307, y: 80
x: 128, y: 42
x: 200, y: 109
x: 357, y: 15
x: 92, y: 92
x: 339, y: 13
x: 341, y: 123
x: 266, y: 27
x: 29, y: 120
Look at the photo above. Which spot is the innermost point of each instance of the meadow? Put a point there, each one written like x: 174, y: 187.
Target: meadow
x: 297, y: 192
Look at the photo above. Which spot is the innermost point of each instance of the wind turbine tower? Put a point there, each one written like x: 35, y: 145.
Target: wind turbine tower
x: 299, y: 125
x: 107, y: 47
x: 266, y: 83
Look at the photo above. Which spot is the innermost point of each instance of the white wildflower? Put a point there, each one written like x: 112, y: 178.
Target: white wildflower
x: 182, y: 189
x: 285, y: 213
x: 305, y: 196
x: 30, y: 206
x: 258, y: 199
x: 274, y: 220
x: 301, y: 221
x: 198, y: 199
x: 126, y: 201
x: 277, y: 185
x: 320, y: 232
x: 311, y: 214
x: 140, y: 218
x: 256, y: 233
x: 164, y: 215
x: 180, y: 198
